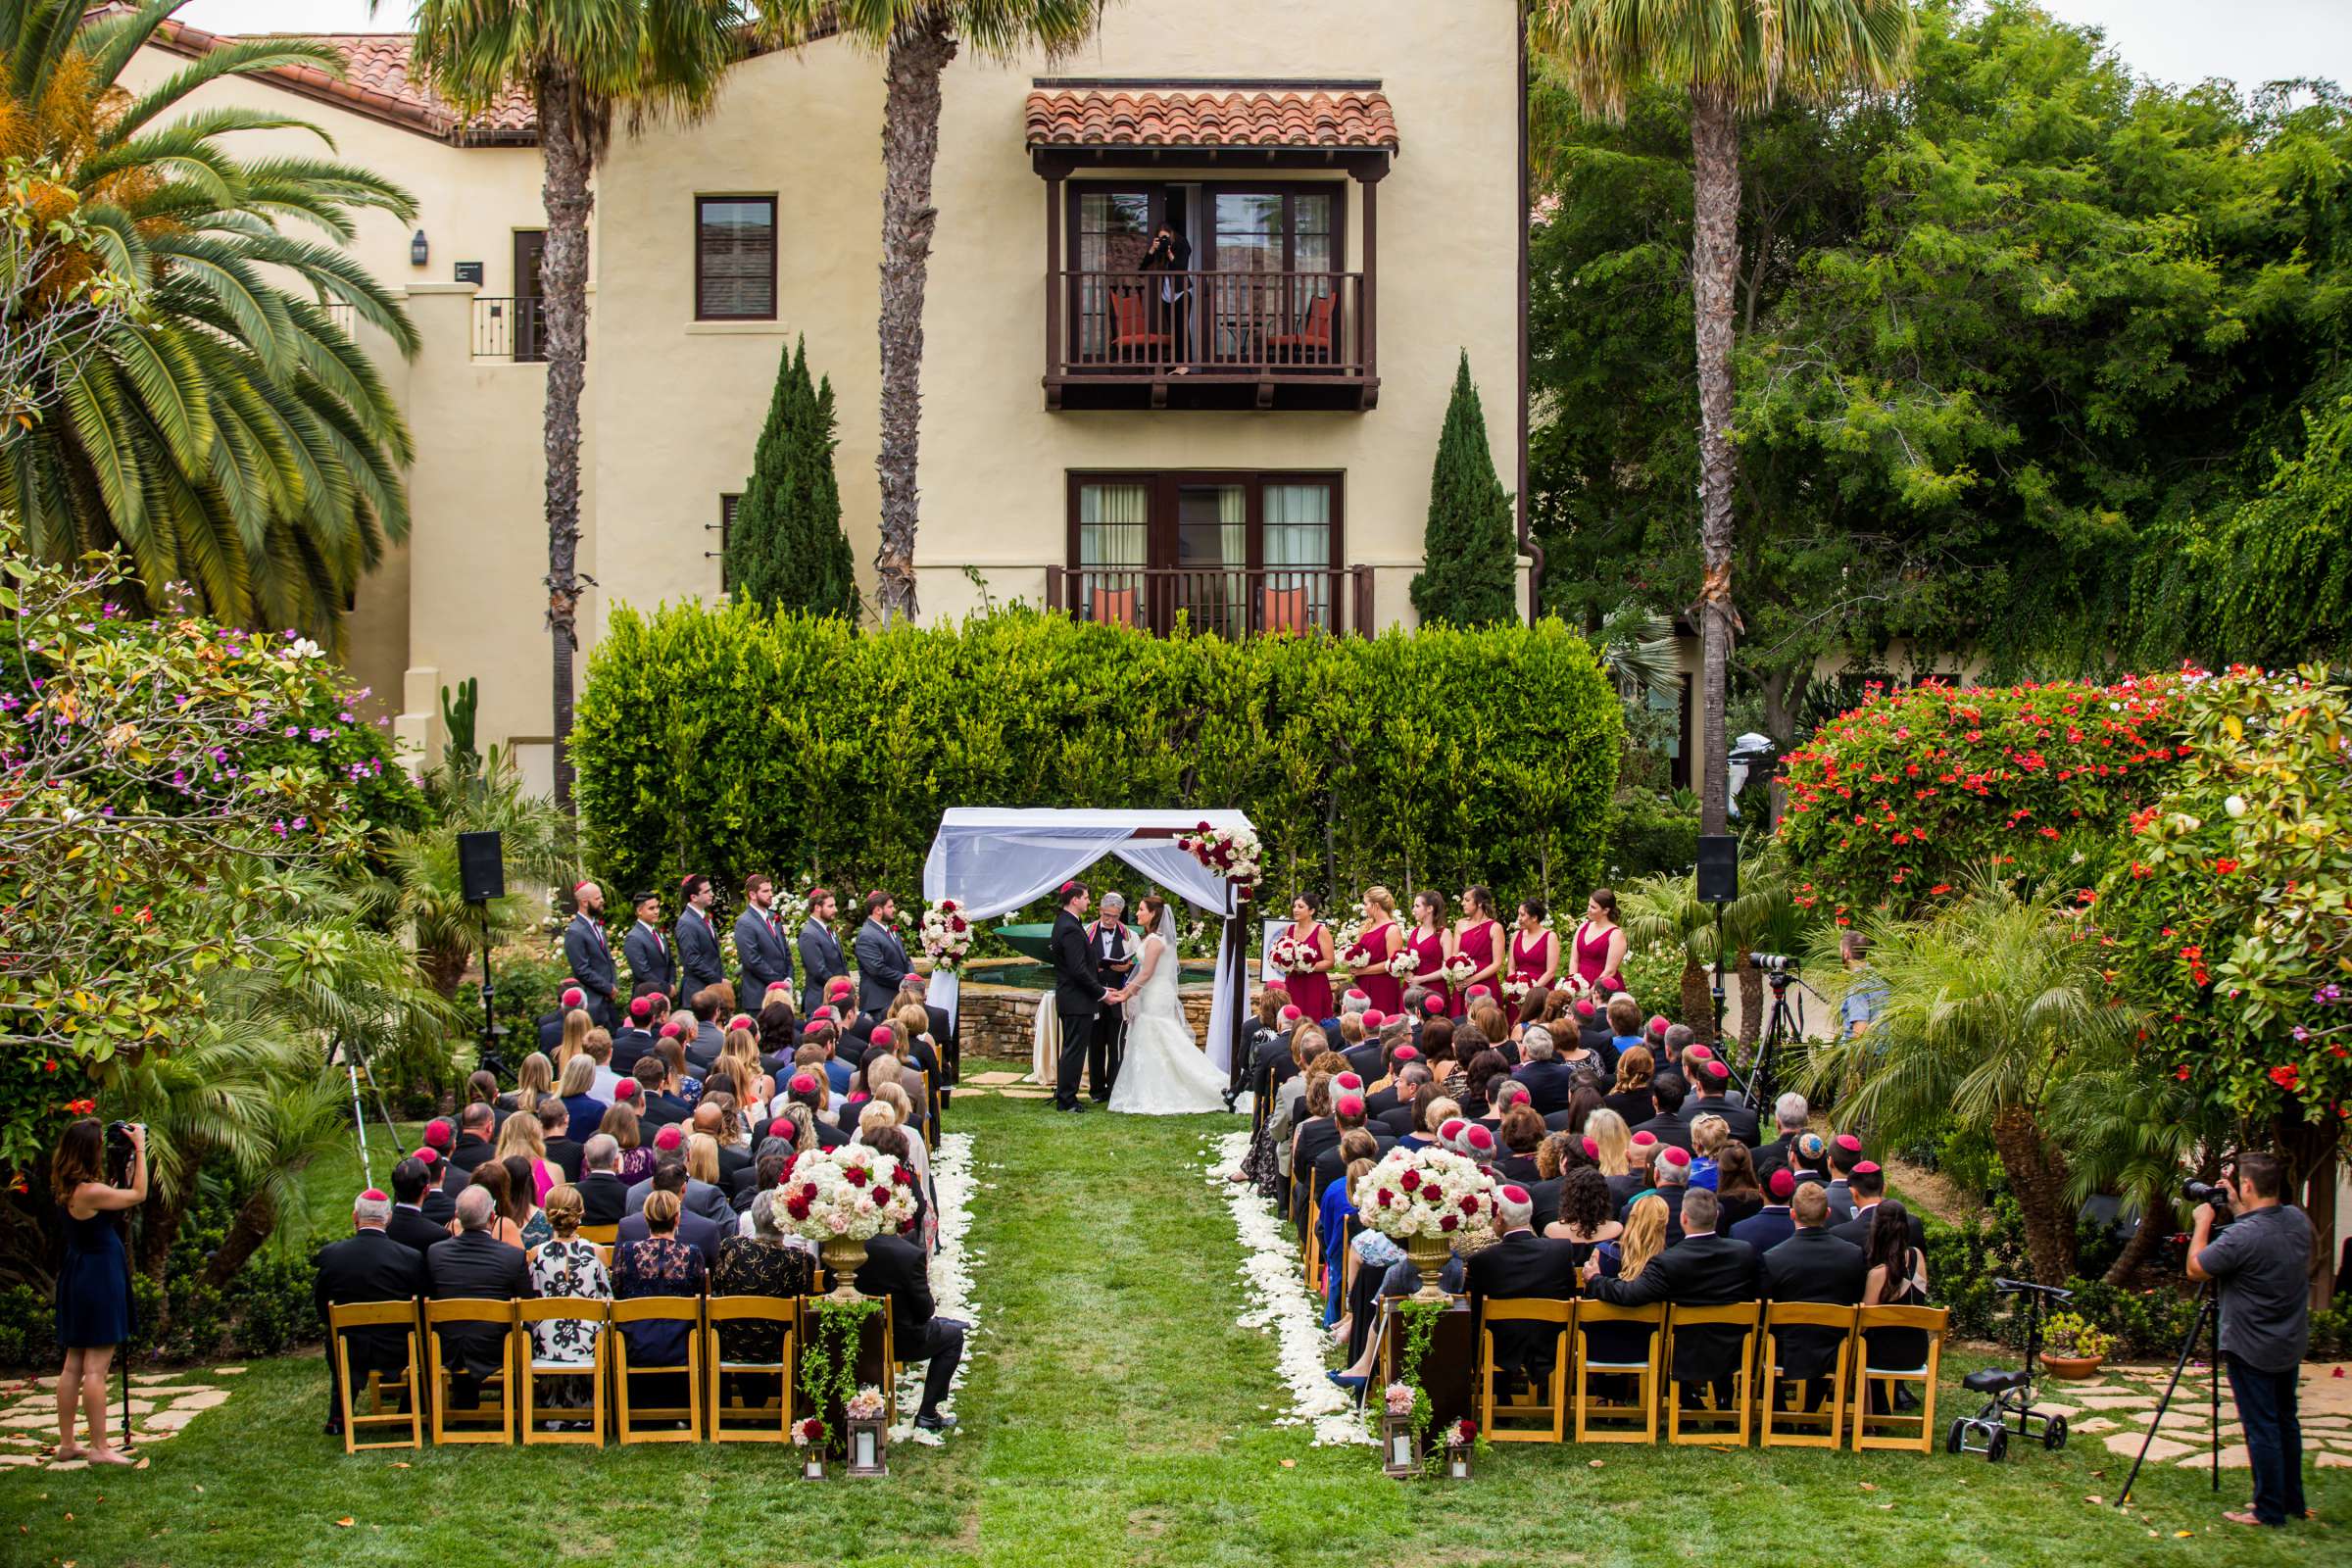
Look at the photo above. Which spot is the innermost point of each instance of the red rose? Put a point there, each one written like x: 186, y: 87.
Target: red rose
x: 2287, y: 1077
x: 901, y: 1176
x: 1409, y: 1180
x: 1469, y: 1203
x: 797, y: 1208
x: 1447, y: 1223
x: 854, y: 1175
x: 1386, y: 1198
x: 1431, y: 1195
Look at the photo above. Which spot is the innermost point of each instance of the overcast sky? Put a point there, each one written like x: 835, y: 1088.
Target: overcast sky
x: 2249, y: 41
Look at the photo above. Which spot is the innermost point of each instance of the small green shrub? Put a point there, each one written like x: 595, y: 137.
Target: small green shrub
x: 1648, y: 835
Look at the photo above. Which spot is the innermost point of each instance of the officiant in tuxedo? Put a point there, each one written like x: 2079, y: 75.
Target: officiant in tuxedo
x: 1113, y: 948
x: 1078, y: 992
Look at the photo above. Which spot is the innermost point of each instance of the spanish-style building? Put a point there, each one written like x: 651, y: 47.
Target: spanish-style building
x: 1246, y: 442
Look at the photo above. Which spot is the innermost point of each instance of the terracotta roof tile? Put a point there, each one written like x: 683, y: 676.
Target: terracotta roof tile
x: 1175, y: 118
x: 376, y: 82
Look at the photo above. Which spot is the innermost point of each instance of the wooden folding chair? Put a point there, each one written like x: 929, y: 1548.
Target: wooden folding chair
x: 602, y: 1235
x: 439, y: 1314
x: 1914, y: 1432
x: 687, y: 1309
x: 377, y: 1314
x: 1314, y: 1246
x: 1709, y: 1424
x: 1831, y: 1419
x: 569, y: 1309
x: 759, y: 1423
x: 1552, y: 1409
x: 1591, y: 1314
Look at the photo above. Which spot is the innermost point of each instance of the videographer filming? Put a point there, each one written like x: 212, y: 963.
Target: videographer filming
x: 2261, y: 1265
x: 93, y: 1287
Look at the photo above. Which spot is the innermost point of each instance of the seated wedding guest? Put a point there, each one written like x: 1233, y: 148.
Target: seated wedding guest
x: 522, y: 1137
x: 1584, y: 1098
x: 565, y: 1265
x: 1479, y: 1143
x: 659, y: 1263
x: 1587, y: 1218
x: 521, y: 1207
x: 779, y: 1032
x: 474, y: 1265
x: 1738, y: 1193
x: 1430, y: 1112
x: 1768, y: 1227
x: 1521, y: 1264
x: 491, y: 1177
x: 1627, y: 1260
x: 1708, y: 1135
x: 1630, y: 1094
x: 439, y: 1204
x: 1789, y: 1113
x: 1398, y: 1116
x: 1702, y: 1269
x: 1521, y: 1134
x: 1711, y: 1095
x: 703, y: 1038
x: 1612, y: 1142
x: 555, y: 1137
x: 1897, y: 1277
x: 1670, y: 1179
x: 575, y: 1088
x: 1578, y: 1055
x: 714, y: 1119
x: 1356, y: 1155
x: 682, y: 1083
x: 408, y: 1224
x: 534, y: 1081
x: 810, y: 1092
x: 1843, y: 1154
x: 1868, y: 1185
x: 1318, y: 1134
x: 1677, y: 1039
x: 1311, y: 1106
x: 706, y: 1193
x: 1653, y: 1034
x: 604, y: 1195
x: 1625, y: 1027
x: 897, y: 1268
x: 1495, y: 1029
x: 654, y: 1109
x: 478, y: 1128
x: 368, y: 1266
x: 1506, y: 1093
x: 923, y: 1229
x: 621, y: 1124
x: 1556, y: 1156
x: 634, y: 1038
x: 1547, y: 1079
x: 1437, y: 1047
x: 765, y: 1262
x: 1482, y: 1072
x: 698, y: 1231
x: 1809, y: 1160
x: 1669, y: 1125
x: 1593, y: 1029
x: 1808, y: 1265
x: 481, y: 1089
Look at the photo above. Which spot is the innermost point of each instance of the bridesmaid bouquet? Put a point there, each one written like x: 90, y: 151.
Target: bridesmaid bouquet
x: 1294, y: 958
x: 1405, y: 964
x: 1459, y: 968
x: 1516, y: 987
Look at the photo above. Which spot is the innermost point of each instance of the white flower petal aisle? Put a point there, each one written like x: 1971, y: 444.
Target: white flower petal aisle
x: 1280, y: 1303
x: 951, y: 1265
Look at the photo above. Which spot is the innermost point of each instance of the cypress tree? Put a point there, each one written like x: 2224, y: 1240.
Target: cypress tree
x: 1469, y: 566
x: 786, y: 549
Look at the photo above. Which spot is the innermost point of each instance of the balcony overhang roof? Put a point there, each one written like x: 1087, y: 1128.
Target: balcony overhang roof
x: 1074, y: 122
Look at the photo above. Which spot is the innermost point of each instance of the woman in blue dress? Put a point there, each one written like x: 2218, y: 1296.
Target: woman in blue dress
x: 93, y: 1287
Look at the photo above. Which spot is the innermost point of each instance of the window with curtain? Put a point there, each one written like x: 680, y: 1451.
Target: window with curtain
x: 1231, y: 553
x: 735, y: 258
x: 1114, y: 537
x: 1297, y: 536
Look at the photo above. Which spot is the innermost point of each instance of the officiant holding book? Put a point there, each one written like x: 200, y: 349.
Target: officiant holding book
x: 1114, y: 950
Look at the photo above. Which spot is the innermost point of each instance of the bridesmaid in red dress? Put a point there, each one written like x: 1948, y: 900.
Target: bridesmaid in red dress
x: 1535, y: 951
x: 1369, y: 957
x: 1430, y: 945
x: 1310, y: 989
x: 1600, y: 945
x: 1476, y: 936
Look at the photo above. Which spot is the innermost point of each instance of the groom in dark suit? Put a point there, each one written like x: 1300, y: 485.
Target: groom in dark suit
x: 1077, y: 992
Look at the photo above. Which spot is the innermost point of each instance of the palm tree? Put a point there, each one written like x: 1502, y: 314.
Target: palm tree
x: 585, y: 62
x: 1733, y: 57
x: 1990, y: 1007
x: 1666, y: 910
x: 226, y: 433
x: 426, y: 895
x: 919, y: 38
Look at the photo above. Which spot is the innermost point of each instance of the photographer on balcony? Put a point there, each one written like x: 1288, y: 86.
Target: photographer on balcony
x: 93, y: 1287
x: 2260, y: 1264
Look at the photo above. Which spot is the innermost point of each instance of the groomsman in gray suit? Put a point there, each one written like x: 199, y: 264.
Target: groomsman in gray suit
x: 697, y: 937
x: 821, y: 951
x: 590, y: 954
x: 650, y: 959
x: 760, y: 945
x: 881, y: 958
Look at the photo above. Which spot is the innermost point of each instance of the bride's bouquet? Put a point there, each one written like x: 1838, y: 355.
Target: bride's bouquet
x: 850, y: 1194
x: 1406, y: 965
x: 1458, y: 969
x: 947, y: 934
x: 1427, y: 1192
x: 1233, y: 853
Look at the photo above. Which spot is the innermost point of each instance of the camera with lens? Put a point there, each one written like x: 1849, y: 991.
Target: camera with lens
x: 2214, y: 1193
x: 118, y: 1152
x: 1773, y: 962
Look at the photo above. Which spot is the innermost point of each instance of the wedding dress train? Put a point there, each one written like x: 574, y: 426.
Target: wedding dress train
x: 1165, y: 1072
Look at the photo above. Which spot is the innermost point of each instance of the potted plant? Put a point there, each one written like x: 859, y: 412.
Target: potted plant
x: 863, y: 1412
x: 2072, y: 1347
x: 1400, y: 1444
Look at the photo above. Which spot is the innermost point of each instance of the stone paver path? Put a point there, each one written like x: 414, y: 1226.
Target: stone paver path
x: 161, y: 1405
x: 2119, y: 1404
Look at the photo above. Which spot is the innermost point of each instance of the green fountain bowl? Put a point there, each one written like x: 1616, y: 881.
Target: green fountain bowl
x: 1034, y: 941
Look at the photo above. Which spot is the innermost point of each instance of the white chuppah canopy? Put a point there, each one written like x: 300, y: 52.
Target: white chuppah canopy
x: 994, y: 860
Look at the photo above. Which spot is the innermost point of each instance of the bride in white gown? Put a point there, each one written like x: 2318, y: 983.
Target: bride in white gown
x: 1165, y: 1072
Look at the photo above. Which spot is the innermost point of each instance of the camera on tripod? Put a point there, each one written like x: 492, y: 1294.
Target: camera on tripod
x: 1775, y: 963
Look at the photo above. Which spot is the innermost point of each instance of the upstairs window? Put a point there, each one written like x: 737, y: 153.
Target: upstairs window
x: 735, y: 258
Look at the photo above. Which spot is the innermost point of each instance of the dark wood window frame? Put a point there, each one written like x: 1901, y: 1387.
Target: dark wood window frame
x: 1161, y: 539
x: 773, y: 248
x: 1200, y: 228
x: 729, y: 502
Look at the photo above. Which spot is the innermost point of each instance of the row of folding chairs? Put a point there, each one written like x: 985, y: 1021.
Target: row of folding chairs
x: 719, y: 1406
x: 1567, y: 1407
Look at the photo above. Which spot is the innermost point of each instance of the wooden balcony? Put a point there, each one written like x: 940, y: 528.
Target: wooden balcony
x: 1231, y: 602
x: 1209, y: 340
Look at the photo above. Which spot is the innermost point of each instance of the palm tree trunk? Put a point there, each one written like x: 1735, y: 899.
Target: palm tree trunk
x: 2153, y: 1213
x: 2037, y: 1174
x: 918, y: 56
x: 567, y: 150
x: 1699, y: 1001
x: 1714, y: 280
x: 256, y: 1219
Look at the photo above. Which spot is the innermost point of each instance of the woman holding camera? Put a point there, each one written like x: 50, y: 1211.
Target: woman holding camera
x: 93, y: 1287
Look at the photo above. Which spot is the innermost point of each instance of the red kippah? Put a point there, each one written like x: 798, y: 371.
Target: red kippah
x: 1849, y: 1143
x: 882, y: 1035
x: 1349, y: 1080
x: 1374, y: 1019
x: 670, y: 1030
x: 1479, y: 991
x: 1646, y: 1139
x: 1351, y: 1105
x: 669, y: 1137
x: 1516, y: 1194
x: 1782, y: 1183
x: 1695, y: 1051
x: 801, y: 1084
x: 1585, y: 1009
x: 1433, y: 1003
x: 1354, y: 992
x: 428, y: 1153
x: 824, y: 1012
x: 741, y: 1020
x: 1450, y: 1128
x: 436, y: 1132
x: 1674, y: 1156
x: 839, y: 986
x: 1657, y: 1021
x: 642, y: 1007
x: 1717, y: 1070
x: 1408, y: 1054
x: 371, y: 1196
x: 574, y: 997
x: 1868, y: 1167
x: 1480, y: 1136
x: 1591, y: 1149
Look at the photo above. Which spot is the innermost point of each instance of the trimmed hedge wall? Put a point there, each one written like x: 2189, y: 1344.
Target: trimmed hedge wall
x: 730, y: 741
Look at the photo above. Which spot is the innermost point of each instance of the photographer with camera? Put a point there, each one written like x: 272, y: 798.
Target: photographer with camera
x: 2261, y: 1265
x: 93, y: 1287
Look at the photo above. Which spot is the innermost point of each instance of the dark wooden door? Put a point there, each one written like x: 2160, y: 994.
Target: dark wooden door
x: 530, y: 245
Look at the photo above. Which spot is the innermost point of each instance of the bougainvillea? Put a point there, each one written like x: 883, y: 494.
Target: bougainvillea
x: 1890, y: 804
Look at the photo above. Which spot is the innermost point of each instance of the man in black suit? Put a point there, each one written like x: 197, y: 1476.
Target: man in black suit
x: 882, y: 966
x: 371, y: 1266
x: 1789, y: 1113
x: 1115, y: 960
x: 656, y: 1110
x: 1811, y: 1265
x: 409, y: 1224
x: 604, y: 1195
x: 1710, y: 1099
x: 696, y: 939
x: 760, y: 945
x: 1078, y: 992
x: 475, y: 1127
x: 1392, y: 1109
x: 1868, y: 1186
x: 810, y: 1086
x: 635, y: 1038
x: 894, y: 1267
x: 1702, y: 1269
x: 1521, y: 1264
x: 1548, y: 1081
x: 1594, y: 1033
x: 1842, y: 1154
x: 589, y: 951
x: 1772, y: 1224
x: 650, y: 961
x: 820, y: 951
x: 1669, y: 1126
x: 697, y: 1230
x: 762, y: 1173
x: 474, y: 1265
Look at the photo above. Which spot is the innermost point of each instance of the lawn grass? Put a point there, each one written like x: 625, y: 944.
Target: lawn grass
x: 1116, y: 1415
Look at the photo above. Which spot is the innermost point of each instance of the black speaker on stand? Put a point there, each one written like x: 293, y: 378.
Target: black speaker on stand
x: 1719, y: 885
x: 482, y: 874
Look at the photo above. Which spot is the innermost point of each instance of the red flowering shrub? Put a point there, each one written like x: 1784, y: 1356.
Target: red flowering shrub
x: 1891, y: 802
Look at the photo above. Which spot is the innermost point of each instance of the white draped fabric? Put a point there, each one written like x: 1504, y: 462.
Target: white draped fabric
x: 994, y: 860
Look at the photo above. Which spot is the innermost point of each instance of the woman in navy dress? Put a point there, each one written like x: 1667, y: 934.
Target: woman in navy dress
x: 93, y: 1287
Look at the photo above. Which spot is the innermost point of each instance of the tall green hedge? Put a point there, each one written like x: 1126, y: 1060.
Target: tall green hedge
x: 729, y: 741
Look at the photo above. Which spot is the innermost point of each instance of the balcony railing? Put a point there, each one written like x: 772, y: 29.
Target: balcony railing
x: 1301, y: 339
x: 509, y: 328
x: 1232, y: 602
